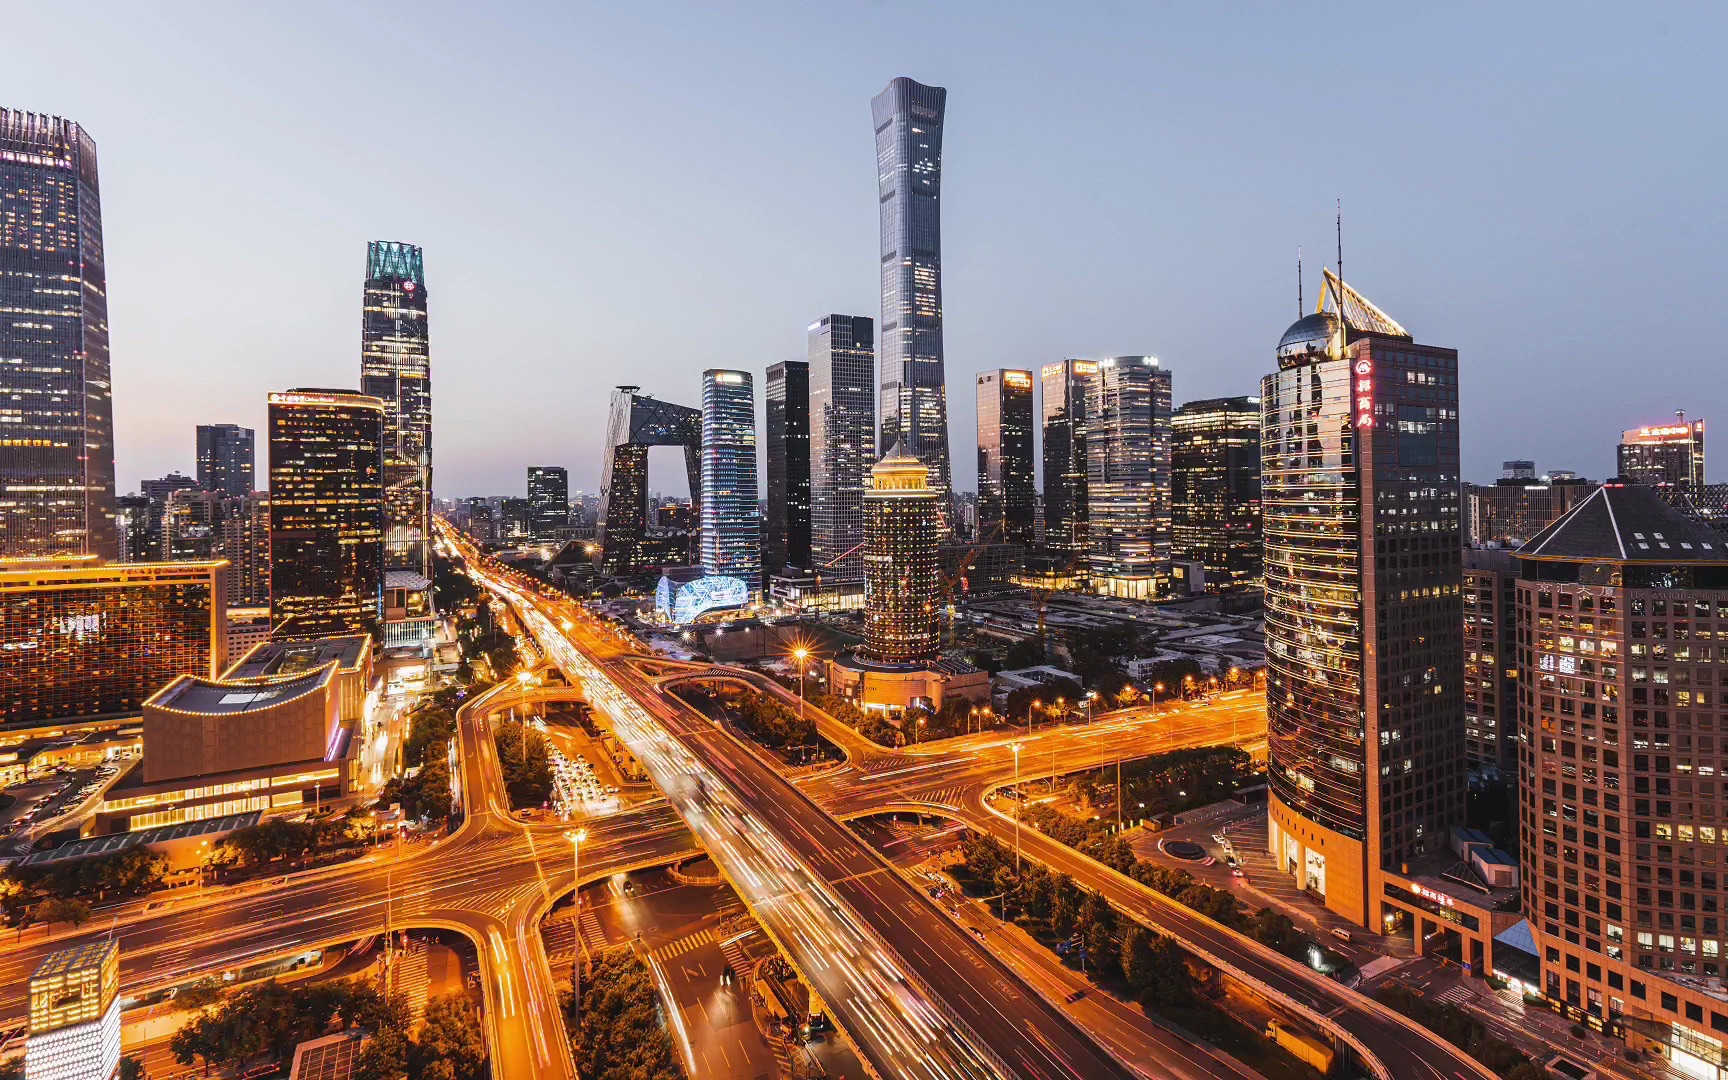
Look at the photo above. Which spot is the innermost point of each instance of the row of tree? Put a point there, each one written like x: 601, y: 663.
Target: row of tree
x: 1177, y: 781
x: 63, y: 892
x: 622, y: 1035
x: 766, y: 720
x: 282, y: 838
x: 526, y: 761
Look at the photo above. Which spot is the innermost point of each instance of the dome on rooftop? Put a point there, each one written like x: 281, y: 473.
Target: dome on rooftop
x: 1308, y: 337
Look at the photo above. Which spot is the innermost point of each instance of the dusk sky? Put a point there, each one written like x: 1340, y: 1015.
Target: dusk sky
x: 633, y: 193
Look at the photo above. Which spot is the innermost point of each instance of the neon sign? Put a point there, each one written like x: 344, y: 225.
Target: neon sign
x: 1364, y: 393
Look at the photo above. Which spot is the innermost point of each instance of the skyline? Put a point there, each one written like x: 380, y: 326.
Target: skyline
x: 1177, y: 240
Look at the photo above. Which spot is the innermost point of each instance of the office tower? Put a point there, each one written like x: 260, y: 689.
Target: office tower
x: 842, y: 354
x: 132, y: 528
x: 731, y: 516
x: 1490, y: 660
x: 1128, y: 476
x: 85, y: 639
x: 191, y: 524
x: 787, y: 397
x: 1007, y: 477
x: 396, y: 368
x: 1064, y: 419
x: 1621, y: 721
x: 243, y: 538
x: 326, y: 512
x: 1516, y: 507
x: 75, y: 1014
x: 1666, y: 454
x: 1522, y: 469
x: 635, y: 422
x: 1359, y: 490
x: 548, y: 500
x: 900, y: 520
x: 57, y: 459
x: 225, y: 458
x: 515, y: 518
x: 1215, y: 490
x: 908, y: 117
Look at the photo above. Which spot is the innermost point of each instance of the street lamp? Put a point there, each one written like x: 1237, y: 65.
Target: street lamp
x: 800, y: 654
x: 917, y: 731
x: 1014, y: 746
x: 576, y: 837
x: 1090, y: 694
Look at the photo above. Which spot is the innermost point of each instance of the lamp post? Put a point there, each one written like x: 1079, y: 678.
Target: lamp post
x: 800, y: 654
x: 1090, y: 694
x: 917, y: 731
x: 576, y: 839
x: 1016, y: 748
x: 1157, y: 688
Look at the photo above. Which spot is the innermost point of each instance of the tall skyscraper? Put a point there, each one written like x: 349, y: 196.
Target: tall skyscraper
x: 1215, y: 489
x: 57, y: 459
x: 635, y: 422
x: 1364, y: 642
x: 1664, y: 454
x: 842, y: 352
x: 908, y: 118
x: 901, y: 513
x: 1127, y: 459
x: 326, y: 512
x: 787, y: 397
x: 225, y: 459
x: 396, y: 368
x: 1619, y: 714
x: 548, y: 500
x: 1007, y: 477
x: 75, y: 1014
x: 731, y: 516
x: 1490, y: 660
x: 1064, y: 418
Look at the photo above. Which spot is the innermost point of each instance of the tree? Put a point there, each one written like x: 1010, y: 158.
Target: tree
x: 131, y: 1068
x: 57, y: 910
x: 1172, y: 983
x: 1138, y: 970
x: 449, y: 1042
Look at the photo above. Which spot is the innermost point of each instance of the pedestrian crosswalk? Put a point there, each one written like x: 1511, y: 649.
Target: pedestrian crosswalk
x: 593, y: 934
x: 685, y: 944
x: 413, y: 979
x: 1457, y: 995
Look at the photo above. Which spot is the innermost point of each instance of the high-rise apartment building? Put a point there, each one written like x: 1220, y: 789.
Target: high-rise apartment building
x: 1516, y: 507
x: 326, y: 512
x: 1215, y: 490
x: 85, y: 639
x: 842, y: 356
x: 1622, y: 720
x: 548, y: 500
x: 786, y: 395
x: 1064, y: 419
x: 1364, y: 650
x: 396, y: 368
x: 908, y: 117
x: 243, y: 538
x: 75, y: 1014
x: 225, y: 459
x: 901, y: 512
x: 731, y: 516
x: 1007, y: 473
x: 1664, y: 454
x: 1490, y: 660
x: 1128, y: 476
x: 56, y: 407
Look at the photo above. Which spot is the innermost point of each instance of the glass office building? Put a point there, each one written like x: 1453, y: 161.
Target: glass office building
x: 396, y: 368
x: 226, y: 457
x: 1670, y: 455
x: 1007, y: 482
x: 1128, y: 476
x: 908, y: 118
x: 1215, y: 490
x: 326, y: 513
x: 842, y: 356
x: 1364, y: 616
x: 56, y: 407
x: 787, y: 399
x: 901, y: 522
x: 731, y: 516
x: 548, y: 500
x: 79, y: 638
x: 1064, y: 421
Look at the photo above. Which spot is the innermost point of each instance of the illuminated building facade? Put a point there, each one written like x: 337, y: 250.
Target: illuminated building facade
x: 1064, y: 420
x: 1666, y: 454
x: 1215, y: 490
x: 1513, y: 509
x: 685, y: 594
x: 75, y: 1015
x: 1359, y: 490
x: 1624, y: 840
x: 635, y: 422
x: 908, y: 117
x: 548, y: 500
x: 900, y: 522
x: 226, y: 457
x: 731, y: 516
x: 1007, y: 478
x: 1128, y: 476
x: 842, y: 356
x: 1490, y: 660
x: 56, y: 401
x: 326, y: 512
x: 786, y: 395
x: 79, y: 638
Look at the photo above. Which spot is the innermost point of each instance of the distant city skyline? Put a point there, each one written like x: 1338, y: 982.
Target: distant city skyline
x: 1113, y: 185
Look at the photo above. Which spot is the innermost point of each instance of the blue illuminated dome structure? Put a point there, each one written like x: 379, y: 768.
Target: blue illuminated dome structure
x: 685, y: 594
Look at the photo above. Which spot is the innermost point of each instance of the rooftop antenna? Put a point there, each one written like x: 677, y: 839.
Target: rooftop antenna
x: 1341, y: 260
x: 1299, y: 301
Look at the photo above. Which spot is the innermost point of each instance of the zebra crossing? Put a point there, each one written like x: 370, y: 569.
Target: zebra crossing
x: 593, y: 934
x: 1457, y: 995
x: 684, y: 945
x: 413, y: 978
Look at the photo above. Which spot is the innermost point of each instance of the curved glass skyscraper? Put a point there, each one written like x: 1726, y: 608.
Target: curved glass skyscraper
x: 908, y: 119
x: 731, y: 516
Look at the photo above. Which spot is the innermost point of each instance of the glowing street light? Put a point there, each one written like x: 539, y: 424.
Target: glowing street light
x: 576, y: 837
x: 1014, y: 746
x: 800, y: 654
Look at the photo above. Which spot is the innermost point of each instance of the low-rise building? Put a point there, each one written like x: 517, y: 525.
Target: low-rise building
x: 895, y: 687
x: 352, y: 655
x: 75, y: 1015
